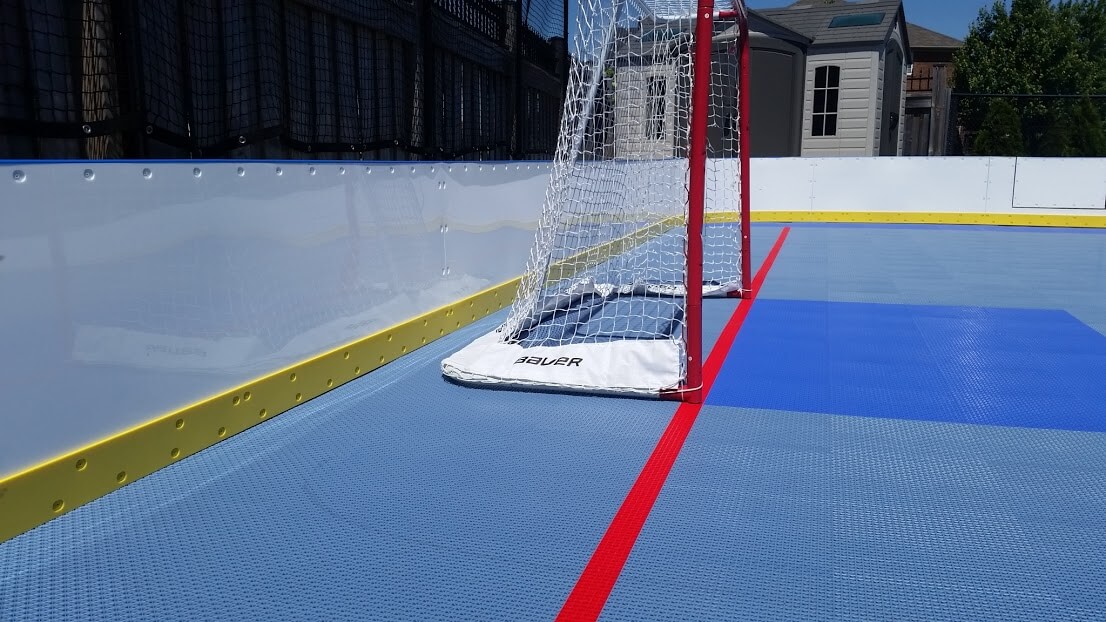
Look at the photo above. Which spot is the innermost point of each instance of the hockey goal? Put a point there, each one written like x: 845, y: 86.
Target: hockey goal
x: 646, y: 211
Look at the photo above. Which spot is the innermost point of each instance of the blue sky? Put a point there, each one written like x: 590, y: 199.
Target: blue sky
x: 949, y: 17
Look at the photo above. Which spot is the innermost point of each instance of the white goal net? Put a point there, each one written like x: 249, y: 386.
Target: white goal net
x: 607, y: 301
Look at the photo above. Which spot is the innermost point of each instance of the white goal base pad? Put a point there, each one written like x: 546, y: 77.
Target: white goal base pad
x: 623, y: 367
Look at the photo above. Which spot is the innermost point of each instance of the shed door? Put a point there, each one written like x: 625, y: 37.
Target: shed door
x: 892, y: 96
x: 776, y: 101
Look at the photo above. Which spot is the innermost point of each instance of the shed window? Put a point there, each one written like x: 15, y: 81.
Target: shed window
x: 827, y: 85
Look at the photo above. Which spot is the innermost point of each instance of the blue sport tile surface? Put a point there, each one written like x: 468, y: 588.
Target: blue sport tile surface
x: 399, y: 496
x: 1031, y: 368
x: 781, y: 515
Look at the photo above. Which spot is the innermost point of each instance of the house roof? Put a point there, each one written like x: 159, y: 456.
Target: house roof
x: 921, y: 37
x: 813, y: 18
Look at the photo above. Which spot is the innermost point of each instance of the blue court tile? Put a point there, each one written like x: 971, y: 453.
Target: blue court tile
x: 399, y: 496
x: 1032, y: 368
x: 773, y: 515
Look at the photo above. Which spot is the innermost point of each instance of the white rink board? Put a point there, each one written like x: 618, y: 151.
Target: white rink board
x: 1069, y: 183
x: 780, y: 184
x: 894, y: 185
x: 977, y: 185
x: 143, y: 287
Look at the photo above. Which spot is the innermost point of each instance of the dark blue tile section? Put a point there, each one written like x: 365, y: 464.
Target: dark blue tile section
x: 1030, y: 368
x: 775, y: 515
x: 396, y: 497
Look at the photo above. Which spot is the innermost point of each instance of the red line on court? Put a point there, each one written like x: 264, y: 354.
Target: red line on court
x: 589, y: 596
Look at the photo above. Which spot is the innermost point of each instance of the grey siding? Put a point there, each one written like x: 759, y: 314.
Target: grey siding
x: 877, y: 102
x: 638, y: 112
x: 854, y: 119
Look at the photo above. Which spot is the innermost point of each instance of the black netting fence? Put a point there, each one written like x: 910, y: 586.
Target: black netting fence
x: 1027, y: 125
x: 336, y: 79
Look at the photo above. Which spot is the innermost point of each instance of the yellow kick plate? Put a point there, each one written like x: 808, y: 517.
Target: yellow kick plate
x: 36, y: 495
x: 936, y: 218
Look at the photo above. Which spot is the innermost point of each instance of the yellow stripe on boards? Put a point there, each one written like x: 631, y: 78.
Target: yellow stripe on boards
x: 595, y: 255
x: 932, y: 218
x: 36, y: 495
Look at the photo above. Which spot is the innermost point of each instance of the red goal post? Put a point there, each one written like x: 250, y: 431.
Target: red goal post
x: 700, y: 110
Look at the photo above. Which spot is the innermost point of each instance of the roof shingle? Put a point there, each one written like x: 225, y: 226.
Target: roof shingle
x: 921, y: 37
x: 812, y: 18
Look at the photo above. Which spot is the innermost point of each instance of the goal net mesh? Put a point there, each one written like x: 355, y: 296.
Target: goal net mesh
x: 610, y: 259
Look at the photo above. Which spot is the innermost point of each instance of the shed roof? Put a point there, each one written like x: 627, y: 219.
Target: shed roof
x: 759, y: 21
x: 813, y: 18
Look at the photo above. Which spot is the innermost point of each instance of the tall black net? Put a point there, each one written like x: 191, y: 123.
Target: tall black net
x: 357, y: 79
x: 1027, y: 125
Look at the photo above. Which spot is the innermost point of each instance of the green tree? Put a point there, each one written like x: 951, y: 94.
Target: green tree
x: 1057, y: 134
x: 1088, y: 19
x: 1088, y: 138
x: 1001, y: 131
x: 1036, y: 47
